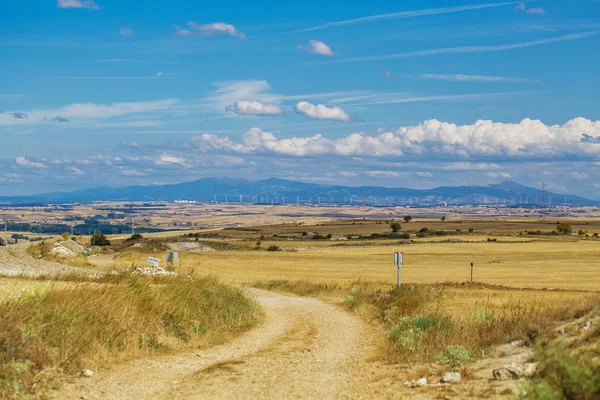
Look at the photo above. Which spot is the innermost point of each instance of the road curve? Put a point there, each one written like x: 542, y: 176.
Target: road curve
x: 305, y: 349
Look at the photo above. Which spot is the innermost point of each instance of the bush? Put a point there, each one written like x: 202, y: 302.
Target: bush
x: 136, y: 236
x: 98, y: 239
x: 404, y: 236
x: 563, y: 374
x: 455, y: 355
x: 564, y: 228
x: 395, y: 226
x: 424, y: 230
x: 274, y: 247
x: 2, y: 243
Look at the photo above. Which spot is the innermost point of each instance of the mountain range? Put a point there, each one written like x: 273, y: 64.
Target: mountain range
x: 274, y: 190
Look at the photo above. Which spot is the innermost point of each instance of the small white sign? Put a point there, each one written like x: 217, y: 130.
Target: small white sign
x: 398, y: 259
x: 153, y: 261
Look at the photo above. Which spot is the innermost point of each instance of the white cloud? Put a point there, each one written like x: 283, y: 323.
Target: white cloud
x: 182, y: 31
x: 230, y: 92
x: 166, y: 159
x: 430, y: 139
x: 88, y: 111
x: 424, y: 174
x: 579, y: 175
x: 471, y: 49
x: 77, y: 171
x: 383, y: 174
x: 244, y: 107
x: 125, y: 32
x: 90, y: 4
x: 503, y: 175
x: 321, y: 111
x: 22, y: 161
x: 536, y: 10
x: 216, y: 28
x: 159, y: 74
x: 317, y: 47
x: 387, y: 74
x: 473, y: 78
x: 467, y: 166
x: 131, y: 172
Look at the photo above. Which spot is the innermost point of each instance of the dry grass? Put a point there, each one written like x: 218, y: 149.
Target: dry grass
x: 562, y: 264
x: 424, y: 321
x: 87, y: 325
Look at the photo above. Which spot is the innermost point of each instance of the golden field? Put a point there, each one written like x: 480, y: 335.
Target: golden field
x: 561, y: 264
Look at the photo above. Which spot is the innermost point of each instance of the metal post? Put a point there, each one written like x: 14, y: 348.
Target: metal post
x: 398, y: 276
x: 471, y: 272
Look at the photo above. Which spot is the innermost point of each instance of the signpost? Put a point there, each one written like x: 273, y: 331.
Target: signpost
x: 398, y: 262
x: 471, y: 272
x: 153, y: 261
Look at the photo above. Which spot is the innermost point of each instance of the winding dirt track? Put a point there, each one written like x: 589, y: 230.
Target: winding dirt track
x: 305, y: 349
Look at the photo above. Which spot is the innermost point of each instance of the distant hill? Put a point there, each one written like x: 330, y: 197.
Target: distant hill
x: 274, y: 190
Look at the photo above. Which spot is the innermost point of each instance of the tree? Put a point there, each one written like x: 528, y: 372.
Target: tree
x: 2, y: 242
x: 407, y: 219
x: 98, y: 239
x: 565, y: 228
x: 395, y: 226
x: 443, y: 219
x: 65, y: 235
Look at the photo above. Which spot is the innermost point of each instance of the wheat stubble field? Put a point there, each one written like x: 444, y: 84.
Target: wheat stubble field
x: 325, y: 321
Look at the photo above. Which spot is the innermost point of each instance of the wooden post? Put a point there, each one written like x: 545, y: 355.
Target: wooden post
x: 471, y: 272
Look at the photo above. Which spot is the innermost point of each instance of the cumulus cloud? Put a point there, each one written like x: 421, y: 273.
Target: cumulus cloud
x: 244, y: 107
x: 432, y: 138
x: 317, y: 47
x: 473, y: 78
x: 89, y: 4
x: 24, y: 162
x: 216, y: 28
x: 125, y: 32
x: 321, y: 111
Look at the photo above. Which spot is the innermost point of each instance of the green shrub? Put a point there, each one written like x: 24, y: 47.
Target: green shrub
x: 274, y: 247
x: 564, y: 374
x: 455, y: 355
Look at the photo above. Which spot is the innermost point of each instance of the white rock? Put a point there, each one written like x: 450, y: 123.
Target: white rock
x: 88, y: 373
x: 418, y: 383
x: 587, y: 325
x: 518, y: 343
x: 451, y: 377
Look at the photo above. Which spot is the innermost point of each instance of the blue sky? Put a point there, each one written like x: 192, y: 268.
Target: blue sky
x: 414, y: 94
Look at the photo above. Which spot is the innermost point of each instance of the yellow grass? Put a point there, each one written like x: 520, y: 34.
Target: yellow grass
x: 560, y: 264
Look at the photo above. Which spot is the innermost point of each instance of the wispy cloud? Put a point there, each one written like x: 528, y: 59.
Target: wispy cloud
x: 182, y: 31
x: 406, y: 14
x: 24, y: 162
x: 473, y: 78
x: 125, y: 32
x: 469, y: 49
x: 89, y: 4
x: 522, y: 7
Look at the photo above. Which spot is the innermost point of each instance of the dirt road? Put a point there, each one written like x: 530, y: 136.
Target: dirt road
x: 305, y: 349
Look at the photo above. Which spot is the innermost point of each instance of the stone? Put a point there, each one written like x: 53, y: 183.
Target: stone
x: 587, y: 325
x: 451, y: 377
x: 88, y: 373
x: 511, y: 372
x: 418, y: 383
x: 518, y: 343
